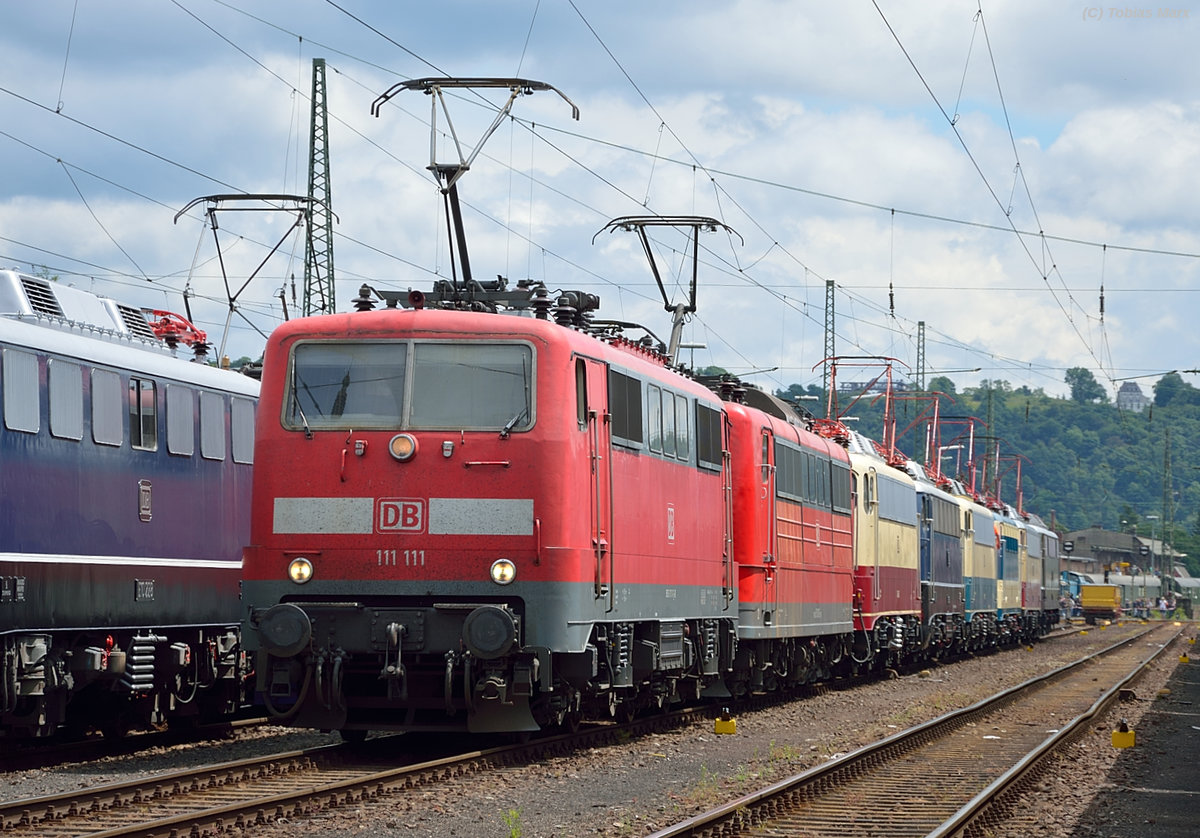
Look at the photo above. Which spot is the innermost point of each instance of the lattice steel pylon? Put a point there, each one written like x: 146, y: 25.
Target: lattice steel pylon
x: 829, y: 343
x: 318, y: 250
x: 921, y: 356
x: 1168, y: 508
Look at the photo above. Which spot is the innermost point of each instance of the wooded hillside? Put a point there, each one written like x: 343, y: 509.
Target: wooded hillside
x: 1085, y: 462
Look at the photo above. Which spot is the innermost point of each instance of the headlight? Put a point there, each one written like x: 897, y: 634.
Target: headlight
x: 300, y: 570
x: 503, y: 571
x: 403, y: 446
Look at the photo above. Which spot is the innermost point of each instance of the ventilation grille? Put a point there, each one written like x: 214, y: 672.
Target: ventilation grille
x: 41, y: 298
x: 135, y: 322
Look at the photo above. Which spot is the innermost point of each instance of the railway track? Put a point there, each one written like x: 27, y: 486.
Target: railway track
x: 25, y: 756
x: 936, y: 778
x: 294, y: 784
x: 215, y: 798
x: 238, y: 795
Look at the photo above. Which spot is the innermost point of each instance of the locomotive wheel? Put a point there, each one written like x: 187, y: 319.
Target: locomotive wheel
x: 115, y: 728
x: 353, y: 736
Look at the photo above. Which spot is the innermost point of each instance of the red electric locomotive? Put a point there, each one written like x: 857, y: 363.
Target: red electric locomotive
x: 793, y: 544
x: 484, y: 510
x: 468, y: 520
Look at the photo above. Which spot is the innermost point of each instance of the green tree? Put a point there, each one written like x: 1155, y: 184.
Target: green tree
x: 1172, y: 389
x: 1084, y: 386
x: 42, y: 272
x: 942, y: 384
x: 1086, y: 463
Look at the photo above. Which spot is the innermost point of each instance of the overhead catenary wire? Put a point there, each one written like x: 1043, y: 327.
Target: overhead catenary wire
x: 100, y: 223
x: 979, y: 170
x: 745, y: 272
x: 62, y: 83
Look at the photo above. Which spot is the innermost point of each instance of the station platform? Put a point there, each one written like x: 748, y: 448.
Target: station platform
x: 1154, y: 788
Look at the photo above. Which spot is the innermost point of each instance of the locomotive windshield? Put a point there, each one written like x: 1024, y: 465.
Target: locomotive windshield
x: 418, y: 385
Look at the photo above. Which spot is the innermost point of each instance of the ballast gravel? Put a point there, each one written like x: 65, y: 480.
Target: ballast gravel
x: 645, y: 784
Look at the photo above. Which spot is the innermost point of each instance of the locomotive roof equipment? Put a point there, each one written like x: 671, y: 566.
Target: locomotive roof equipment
x: 447, y: 174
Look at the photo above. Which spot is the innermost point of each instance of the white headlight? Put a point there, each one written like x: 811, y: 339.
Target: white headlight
x: 503, y: 571
x: 300, y: 570
x: 403, y: 447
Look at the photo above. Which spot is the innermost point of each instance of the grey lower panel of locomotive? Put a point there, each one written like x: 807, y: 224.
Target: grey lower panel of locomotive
x: 762, y: 620
x: 473, y: 662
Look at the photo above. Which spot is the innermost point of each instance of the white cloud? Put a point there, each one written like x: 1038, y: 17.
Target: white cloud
x: 770, y: 100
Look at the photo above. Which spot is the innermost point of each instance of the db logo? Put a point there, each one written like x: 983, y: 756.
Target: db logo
x: 399, y: 515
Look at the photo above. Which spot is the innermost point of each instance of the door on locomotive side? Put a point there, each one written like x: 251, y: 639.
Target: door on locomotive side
x: 593, y: 416
x: 1031, y: 578
x: 1051, y: 572
x: 925, y: 530
x: 1009, y: 565
x: 768, y: 511
x: 942, y: 568
x: 866, y: 548
x: 979, y: 558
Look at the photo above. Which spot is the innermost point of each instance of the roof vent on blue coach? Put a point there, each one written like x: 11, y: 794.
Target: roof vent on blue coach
x: 70, y: 309
x: 41, y: 298
x: 135, y: 321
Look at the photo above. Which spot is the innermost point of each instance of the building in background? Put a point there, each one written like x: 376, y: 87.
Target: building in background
x: 1131, y: 397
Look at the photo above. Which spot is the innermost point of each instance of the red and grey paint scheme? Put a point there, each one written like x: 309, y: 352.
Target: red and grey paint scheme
x: 792, y: 540
x: 472, y: 520
x: 503, y: 519
x: 482, y: 509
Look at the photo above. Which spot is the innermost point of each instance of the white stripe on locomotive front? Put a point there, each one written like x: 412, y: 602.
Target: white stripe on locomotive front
x: 447, y: 516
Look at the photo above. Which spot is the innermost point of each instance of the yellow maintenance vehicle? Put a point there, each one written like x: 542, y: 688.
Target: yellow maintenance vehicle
x: 1099, y: 602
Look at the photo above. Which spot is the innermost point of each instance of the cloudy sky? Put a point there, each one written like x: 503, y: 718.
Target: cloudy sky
x: 1022, y: 177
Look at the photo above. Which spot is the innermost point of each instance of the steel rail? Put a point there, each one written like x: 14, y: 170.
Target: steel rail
x: 202, y: 801
x: 155, y: 805
x: 995, y: 792
x: 748, y: 812
x: 21, y: 755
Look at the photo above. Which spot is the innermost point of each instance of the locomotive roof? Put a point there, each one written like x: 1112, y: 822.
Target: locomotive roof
x: 927, y: 484
x: 59, y: 306
x: 434, y: 323
x: 757, y: 398
x: 44, y: 316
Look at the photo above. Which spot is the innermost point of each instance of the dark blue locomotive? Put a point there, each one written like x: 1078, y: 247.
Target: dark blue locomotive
x: 124, y: 502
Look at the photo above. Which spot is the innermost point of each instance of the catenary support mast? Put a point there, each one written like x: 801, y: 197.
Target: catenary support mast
x: 318, y: 257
